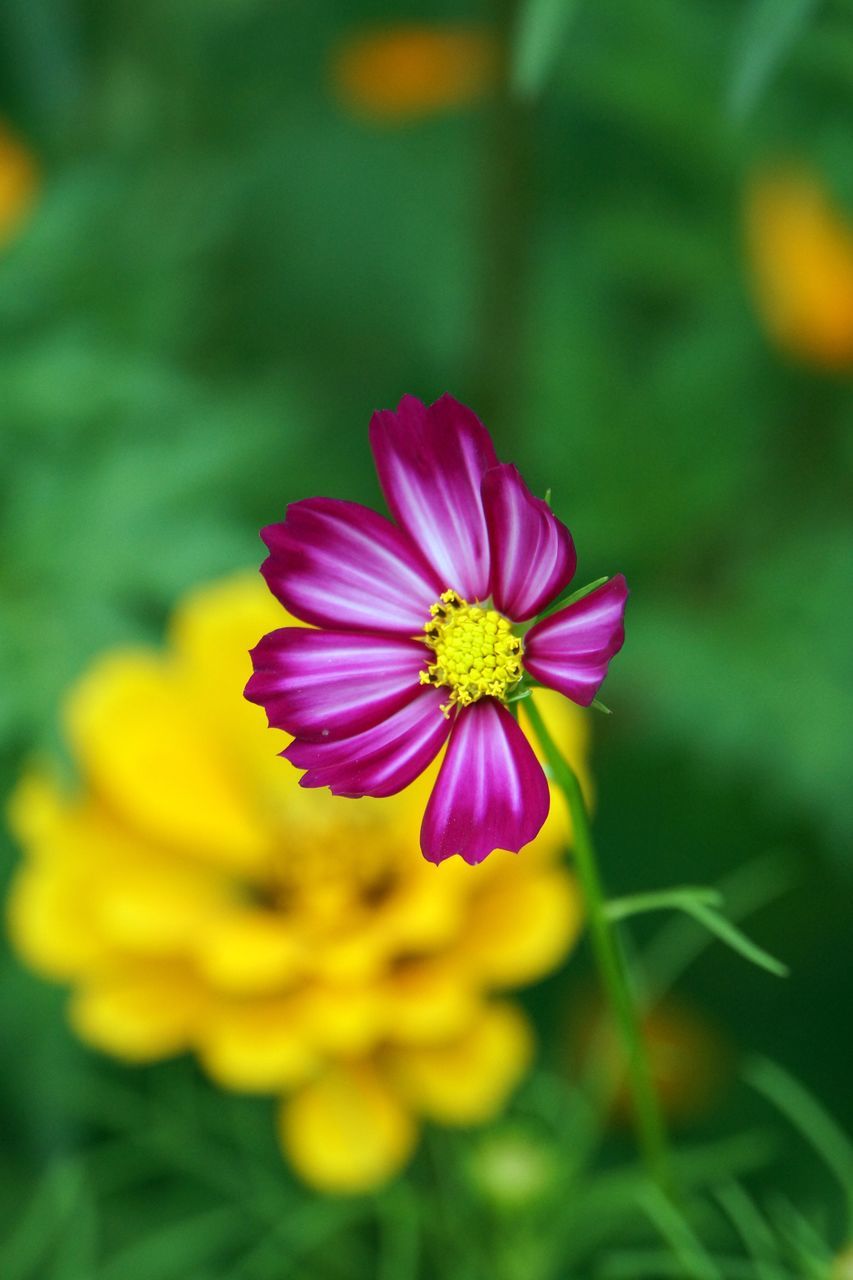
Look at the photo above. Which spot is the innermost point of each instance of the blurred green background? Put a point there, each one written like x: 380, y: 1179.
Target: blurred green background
x: 229, y: 261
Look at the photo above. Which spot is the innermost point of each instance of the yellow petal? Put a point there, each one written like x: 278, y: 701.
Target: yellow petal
x: 427, y: 909
x: 151, y: 904
x: 212, y: 631
x: 256, y: 1046
x: 35, y: 806
x: 144, y: 750
x: 52, y: 906
x: 50, y: 924
x: 246, y: 950
x: 343, y: 1020
x: 97, y: 877
x: 521, y: 926
x: 346, y: 1132
x: 214, y: 627
x: 426, y: 1000
x: 141, y: 1013
x: 467, y: 1080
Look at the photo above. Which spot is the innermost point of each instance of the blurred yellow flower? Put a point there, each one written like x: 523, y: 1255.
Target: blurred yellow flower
x: 197, y: 899
x: 18, y: 184
x: 801, y: 250
x: 400, y: 73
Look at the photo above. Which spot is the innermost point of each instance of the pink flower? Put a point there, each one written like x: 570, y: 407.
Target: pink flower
x: 421, y: 635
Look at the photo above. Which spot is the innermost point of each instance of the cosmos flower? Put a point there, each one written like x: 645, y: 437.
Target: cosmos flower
x: 800, y: 246
x: 195, y: 900
x: 405, y: 72
x: 420, y: 632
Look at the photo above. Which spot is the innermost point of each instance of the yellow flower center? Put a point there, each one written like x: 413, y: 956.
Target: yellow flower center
x: 477, y: 653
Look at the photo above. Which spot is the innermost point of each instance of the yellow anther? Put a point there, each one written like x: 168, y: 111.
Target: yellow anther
x: 477, y: 654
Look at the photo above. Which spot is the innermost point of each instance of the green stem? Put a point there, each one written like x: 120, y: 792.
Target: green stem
x: 648, y: 1122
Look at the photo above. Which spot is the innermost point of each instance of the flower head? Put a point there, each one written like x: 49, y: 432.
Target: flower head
x: 18, y: 184
x: 421, y: 632
x: 196, y: 900
x: 404, y: 72
x: 801, y: 248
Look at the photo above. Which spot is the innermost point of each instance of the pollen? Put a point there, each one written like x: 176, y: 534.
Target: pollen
x: 477, y: 653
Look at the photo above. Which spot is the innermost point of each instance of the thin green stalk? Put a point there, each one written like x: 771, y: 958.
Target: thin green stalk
x: 648, y: 1122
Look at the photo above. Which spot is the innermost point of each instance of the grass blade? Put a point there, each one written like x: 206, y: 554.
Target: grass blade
x: 734, y: 938
x: 752, y: 1229
x: 808, y: 1116
x: 542, y: 27
x: 661, y: 900
x: 673, y: 1227
x: 766, y: 36
x: 682, y: 940
x: 701, y: 904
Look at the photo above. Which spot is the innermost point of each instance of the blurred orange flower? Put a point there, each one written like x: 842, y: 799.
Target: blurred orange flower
x: 688, y: 1057
x: 197, y: 899
x: 801, y: 250
x: 18, y: 183
x: 401, y: 73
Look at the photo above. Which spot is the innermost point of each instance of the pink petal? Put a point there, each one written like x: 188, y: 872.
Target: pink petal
x: 340, y: 565
x: 490, y: 792
x: 325, y: 685
x: 431, y: 460
x: 571, y: 650
x: 533, y: 556
x: 382, y: 760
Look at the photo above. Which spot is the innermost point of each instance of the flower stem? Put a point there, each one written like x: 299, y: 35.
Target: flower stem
x: 648, y: 1122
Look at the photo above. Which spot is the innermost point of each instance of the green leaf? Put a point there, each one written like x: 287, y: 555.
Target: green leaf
x: 766, y: 37
x: 808, y: 1116
x: 734, y: 938
x: 542, y: 27
x: 598, y: 705
x: 679, y: 1235
x: 752, y: 1228
x: 22, y: 1254
x: 701, y: 905
x: 177, y: 1249
x: 813, y: 1254
x: 662, y: 900
x: 398, y: 1216
x: 681, y: 940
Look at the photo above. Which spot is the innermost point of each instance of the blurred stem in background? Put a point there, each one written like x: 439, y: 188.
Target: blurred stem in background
x: 648, y: 1121
x: 501, y: 306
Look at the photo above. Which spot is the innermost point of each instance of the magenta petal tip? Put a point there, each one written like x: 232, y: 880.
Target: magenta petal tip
x: 571, y: 650
x: 490, y: 793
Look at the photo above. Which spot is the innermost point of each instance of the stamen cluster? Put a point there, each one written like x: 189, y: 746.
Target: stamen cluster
x: 477, y: 653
